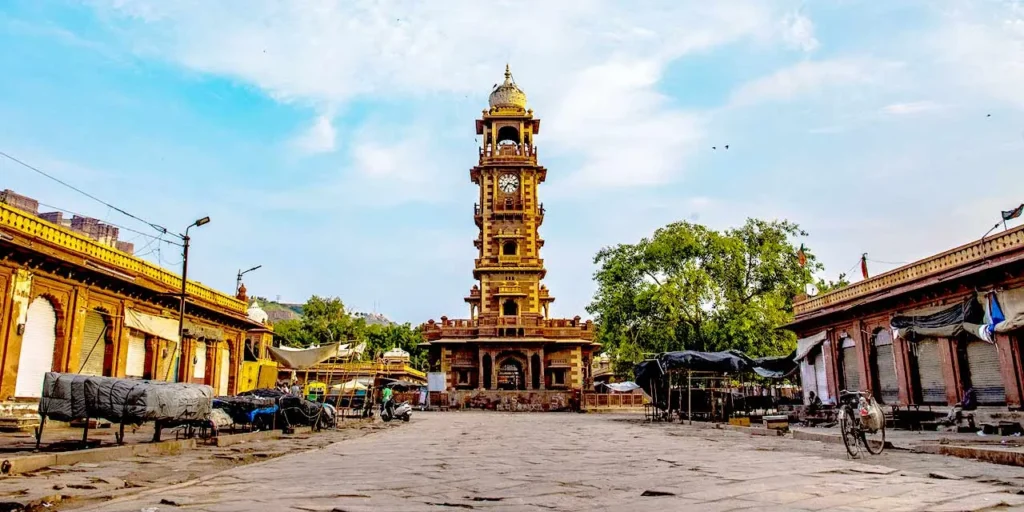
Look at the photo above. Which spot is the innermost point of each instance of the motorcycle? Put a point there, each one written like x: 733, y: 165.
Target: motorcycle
x: 402, y: 411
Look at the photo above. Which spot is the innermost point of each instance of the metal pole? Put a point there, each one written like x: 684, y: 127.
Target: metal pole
x: 689, y: 396
x: 181, y: 308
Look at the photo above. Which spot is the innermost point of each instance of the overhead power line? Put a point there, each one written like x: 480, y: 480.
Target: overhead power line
x: 118, y: 226
x: 155, y: 226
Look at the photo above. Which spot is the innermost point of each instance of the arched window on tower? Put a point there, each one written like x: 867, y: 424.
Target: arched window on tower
x: 509, y: 249
x: 508, y: 135
x: 510, y: 308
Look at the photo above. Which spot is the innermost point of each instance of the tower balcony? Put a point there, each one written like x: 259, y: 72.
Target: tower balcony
x: 508, y: 153
x: 515, y: 327
x: 508, y: 261
x: 478, y: 215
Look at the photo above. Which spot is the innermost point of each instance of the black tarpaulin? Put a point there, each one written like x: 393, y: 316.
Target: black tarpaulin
x: 726, y: 362
x: 943, y: 321
x: 649, y: 375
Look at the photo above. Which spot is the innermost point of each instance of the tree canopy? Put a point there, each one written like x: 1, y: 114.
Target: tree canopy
x: 691, y: 287
x: 326, y: 320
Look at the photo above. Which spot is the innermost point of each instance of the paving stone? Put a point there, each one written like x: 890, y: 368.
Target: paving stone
x: 496, y: 462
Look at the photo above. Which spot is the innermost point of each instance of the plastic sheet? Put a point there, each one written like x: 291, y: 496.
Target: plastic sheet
x: 68, y: 397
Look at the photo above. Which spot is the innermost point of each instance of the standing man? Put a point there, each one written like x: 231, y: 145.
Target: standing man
x: 386, y: 404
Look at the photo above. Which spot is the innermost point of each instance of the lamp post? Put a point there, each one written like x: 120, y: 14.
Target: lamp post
x: 184, y: 281
x: 238, y: 282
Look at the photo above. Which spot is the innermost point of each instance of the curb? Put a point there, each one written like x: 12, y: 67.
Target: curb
x: 28, y: 463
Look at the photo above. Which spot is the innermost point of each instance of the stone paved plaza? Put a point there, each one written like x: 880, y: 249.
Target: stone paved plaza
x: 501, y: 461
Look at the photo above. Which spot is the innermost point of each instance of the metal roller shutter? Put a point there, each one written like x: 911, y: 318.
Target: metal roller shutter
x: 225, y: 372
x: 199, y: 372
x: 37, y: 344
x: 93, y: 347
x: 851, y: 369
x: 885, y: 366
x: 135, y: 365
x: 929, y: 371
x: 986, y: 379
x: 820, y: 376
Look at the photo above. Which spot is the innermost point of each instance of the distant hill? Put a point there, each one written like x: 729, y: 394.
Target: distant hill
x: 279, y: 311
x: 373, y: 318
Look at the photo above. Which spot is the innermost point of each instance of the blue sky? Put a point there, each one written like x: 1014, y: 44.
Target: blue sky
x: 331, y: 142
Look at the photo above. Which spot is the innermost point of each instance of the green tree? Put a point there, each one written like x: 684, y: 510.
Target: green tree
x: 824, y: 286
x: 381, y: 338
x: 326, y: 320
x: 690, y: 287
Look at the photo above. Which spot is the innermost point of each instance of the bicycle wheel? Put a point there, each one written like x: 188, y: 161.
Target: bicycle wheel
x: 850, y: 431
x: 875, y: 443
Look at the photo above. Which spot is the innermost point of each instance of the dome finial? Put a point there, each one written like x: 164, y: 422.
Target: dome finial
x: 508, y: 95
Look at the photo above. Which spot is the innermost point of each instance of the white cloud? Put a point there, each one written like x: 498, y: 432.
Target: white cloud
x: 798, y: 32
x: 319, y: 138
x: 577, y: 52
x: 915, y: 107
x: 982, y: 47
x: 808, y: 78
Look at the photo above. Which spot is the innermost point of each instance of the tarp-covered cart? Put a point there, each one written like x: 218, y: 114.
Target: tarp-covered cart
x: 699, y: 383
x: 69, y: 397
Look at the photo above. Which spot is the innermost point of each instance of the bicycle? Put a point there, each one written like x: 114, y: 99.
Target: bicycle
x: 860, y: 417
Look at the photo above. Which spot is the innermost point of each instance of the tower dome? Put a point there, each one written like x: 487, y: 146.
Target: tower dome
x: 507, y: 95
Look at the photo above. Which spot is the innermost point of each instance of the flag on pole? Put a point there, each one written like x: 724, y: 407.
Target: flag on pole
x: 802, y: 256
x: 864, y: 265
x: 1014, y: 213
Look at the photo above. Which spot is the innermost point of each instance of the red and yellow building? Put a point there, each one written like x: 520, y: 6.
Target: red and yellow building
x: 924, y: 333
x: 509, y: 349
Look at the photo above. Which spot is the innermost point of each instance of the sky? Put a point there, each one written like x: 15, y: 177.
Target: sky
x: 331, y: 141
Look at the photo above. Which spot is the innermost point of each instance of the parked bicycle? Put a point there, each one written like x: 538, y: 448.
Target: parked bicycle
x: 861, y: 422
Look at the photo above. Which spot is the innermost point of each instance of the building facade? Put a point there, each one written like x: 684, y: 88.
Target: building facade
x: 924, y: 333
x: 69, y: 303
x: 509, y: 349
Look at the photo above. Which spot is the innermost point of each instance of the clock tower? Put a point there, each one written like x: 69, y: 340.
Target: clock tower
x: 509, y: 344
x: 508, y: 212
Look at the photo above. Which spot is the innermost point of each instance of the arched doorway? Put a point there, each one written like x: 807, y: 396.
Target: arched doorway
x: 508, y: 135
x: 509, y: 249
x: 510, y: 308
x: 510, y: 375
x: 94, y: 349
x: 37, y: 344
x: 535, y: 372
x: 225, y: 371
x: 199, y: 370
x: 487, y: 371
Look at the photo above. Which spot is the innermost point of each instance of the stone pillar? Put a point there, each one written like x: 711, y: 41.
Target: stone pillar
x: 479, y: 367
x: 864, y: 350
x: 951, y: 370
x: 543, y: 383
x: 1009, y: 366
x: 901, y: 351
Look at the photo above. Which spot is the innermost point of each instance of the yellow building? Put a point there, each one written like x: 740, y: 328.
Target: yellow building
x: 71, y: 304
x: 509, y: 345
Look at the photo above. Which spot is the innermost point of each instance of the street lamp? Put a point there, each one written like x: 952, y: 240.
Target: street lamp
x: 238, y: 282
x: 184, y: 281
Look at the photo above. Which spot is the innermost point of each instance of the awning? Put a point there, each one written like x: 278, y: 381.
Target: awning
x: 161, y: 327
x: 198, y: 331
x: 804, y: 346
x: 303, y: 358
x: 944, y: 321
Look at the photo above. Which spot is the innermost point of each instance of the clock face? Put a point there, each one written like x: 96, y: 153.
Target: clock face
x: 508, y: 183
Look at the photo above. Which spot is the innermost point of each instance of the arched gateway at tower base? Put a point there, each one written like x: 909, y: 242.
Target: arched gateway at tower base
x: 508, y: 354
